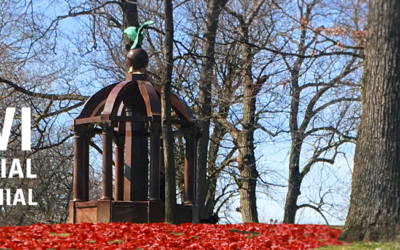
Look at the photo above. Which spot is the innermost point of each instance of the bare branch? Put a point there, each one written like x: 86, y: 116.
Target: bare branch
x: 330, y: 128
x: 316, y: 157
x: 53, y: 97
x: 316, y: 209
x: 271, y: 133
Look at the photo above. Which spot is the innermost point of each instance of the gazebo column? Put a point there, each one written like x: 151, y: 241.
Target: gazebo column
x: 85, y: 162
x: 162, y: 170
x: 190, y: 160
x: 196, y: 141
x: 106, y: 186
x: 155, y: 161
x: 136, y: 159
x: 119, y: 167
x: 78, y: 194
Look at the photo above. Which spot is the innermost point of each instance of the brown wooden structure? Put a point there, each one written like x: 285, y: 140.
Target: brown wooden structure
x: 128, y: 115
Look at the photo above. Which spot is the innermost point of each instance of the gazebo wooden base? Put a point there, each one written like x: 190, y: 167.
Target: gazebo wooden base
x: 127, y: 211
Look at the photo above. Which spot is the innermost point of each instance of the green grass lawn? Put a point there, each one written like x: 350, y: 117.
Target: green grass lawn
x: 364, y: 245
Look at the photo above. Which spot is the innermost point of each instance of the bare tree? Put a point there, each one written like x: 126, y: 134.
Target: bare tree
x: 207, y: 76
x: 334, y: 86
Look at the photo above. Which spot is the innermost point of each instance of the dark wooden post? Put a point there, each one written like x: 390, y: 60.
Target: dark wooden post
x: 119, y: 167
x: 155, y: 161
x: 136, y: 159
x: 85, y: 166
x: 78, y: 165
x: 197, y: 136
x: 190, y: 166
x: 86, y: 135
x: 106, y: 192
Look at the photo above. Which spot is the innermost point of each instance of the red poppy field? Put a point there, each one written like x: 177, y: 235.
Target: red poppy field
x: 165, y: 236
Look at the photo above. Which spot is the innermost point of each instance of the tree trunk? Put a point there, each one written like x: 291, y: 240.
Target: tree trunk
x: 171, y: 212
x: 374, y: 212
x: 294, y: 181
x: 216, y: 138
x: 224, y: 96
x: 245, y: 138
x: 207, y: 76
x: 130, y: 18
x: 248, y: 178
x: 247, y: 160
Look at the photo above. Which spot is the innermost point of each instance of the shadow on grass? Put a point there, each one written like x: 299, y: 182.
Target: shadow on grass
x: 365, y: 246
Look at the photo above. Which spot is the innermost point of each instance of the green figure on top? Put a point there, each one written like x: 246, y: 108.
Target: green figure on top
x: 136, y: 34
x: 137, y: 58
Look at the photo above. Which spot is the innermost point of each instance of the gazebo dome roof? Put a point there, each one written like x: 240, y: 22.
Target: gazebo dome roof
x: 109, y: 103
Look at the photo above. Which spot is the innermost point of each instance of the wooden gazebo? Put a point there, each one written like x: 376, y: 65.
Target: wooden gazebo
x: 128, y: 115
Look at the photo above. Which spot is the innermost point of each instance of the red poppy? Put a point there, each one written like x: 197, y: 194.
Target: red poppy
x: 165, y: 236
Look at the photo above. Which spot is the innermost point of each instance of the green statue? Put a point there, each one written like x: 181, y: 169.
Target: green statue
x: 136, y: 35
